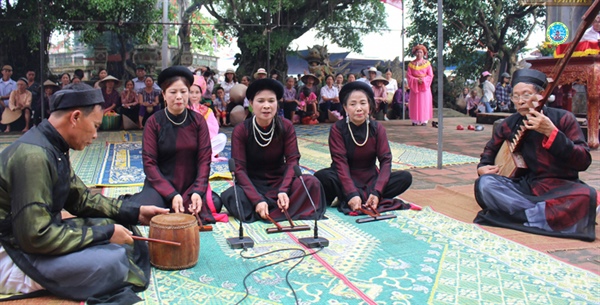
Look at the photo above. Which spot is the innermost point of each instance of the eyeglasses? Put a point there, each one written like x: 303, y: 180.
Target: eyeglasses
x: 7, y: 70
x: 525, y: 97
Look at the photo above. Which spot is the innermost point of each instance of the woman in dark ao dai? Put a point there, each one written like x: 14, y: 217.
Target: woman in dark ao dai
x: 176, y: 151
x: 265, y: 151
x: 355, y: 144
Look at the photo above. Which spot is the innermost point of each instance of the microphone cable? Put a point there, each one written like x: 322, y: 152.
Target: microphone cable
x: 301, y: 257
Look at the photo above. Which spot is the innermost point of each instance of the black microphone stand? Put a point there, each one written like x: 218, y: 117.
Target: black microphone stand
x: 241, y: 241
x: 315, y: 241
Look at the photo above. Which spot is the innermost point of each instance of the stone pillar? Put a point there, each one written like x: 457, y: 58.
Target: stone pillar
x: 569, y: 15
x: 186, y: 57
x: 100, y: 57
x: 149, y: 56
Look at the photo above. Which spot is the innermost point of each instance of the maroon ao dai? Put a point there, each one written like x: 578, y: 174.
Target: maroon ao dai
x: 264, y: 172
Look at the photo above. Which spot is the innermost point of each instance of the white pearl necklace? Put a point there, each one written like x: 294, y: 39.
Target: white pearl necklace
x: 265, y: 136
x: 354, y: 140
x: 185, y: 118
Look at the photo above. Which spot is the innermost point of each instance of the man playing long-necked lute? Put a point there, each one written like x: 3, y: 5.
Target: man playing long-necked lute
x: 549, y: 198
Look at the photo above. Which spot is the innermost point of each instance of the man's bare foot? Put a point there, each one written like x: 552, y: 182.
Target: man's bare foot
x: 25, y: 130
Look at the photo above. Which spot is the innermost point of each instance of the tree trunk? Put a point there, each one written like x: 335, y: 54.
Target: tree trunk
x: 21, y: 56
x: 185, y: 31
x: 279, y: 63
x: 128, y: 73
x: 248, y: 63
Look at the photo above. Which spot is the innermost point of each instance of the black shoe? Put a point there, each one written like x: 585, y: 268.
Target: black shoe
x: 434, y: 124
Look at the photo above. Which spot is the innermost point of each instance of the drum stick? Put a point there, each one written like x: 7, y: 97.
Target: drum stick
x: 279, y: 227
x: 154, y: 240
x: 287, y: 215
x: 367, y: 211
x: 200, y: 226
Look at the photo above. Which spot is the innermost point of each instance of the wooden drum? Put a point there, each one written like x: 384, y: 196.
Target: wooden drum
x: 181, y: 228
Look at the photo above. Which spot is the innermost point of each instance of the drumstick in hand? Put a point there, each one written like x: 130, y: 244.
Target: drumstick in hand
x: 154, y: 240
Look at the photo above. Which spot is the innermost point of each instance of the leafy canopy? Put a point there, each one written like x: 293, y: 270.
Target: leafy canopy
x: 478, y: 35
x: 341, y: 21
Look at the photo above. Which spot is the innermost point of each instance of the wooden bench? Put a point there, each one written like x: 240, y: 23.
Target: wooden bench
x: 490, y: 118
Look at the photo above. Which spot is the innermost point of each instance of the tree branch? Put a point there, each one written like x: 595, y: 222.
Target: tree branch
x: 486, y: 29
x: 211, y: 10
x: 523, y: 43
x: 234, y: 9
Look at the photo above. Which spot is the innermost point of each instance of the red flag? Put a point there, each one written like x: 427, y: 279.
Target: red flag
x: 394, y: 3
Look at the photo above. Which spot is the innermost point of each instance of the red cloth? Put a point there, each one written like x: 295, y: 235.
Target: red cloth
x: 584, y: 48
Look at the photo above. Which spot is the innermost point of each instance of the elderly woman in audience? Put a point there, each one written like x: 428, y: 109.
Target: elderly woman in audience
x: 329, y: 99
x: 228, y: 83
x: 20, y: 99
x: 355, y: 145
x: 49, y: 88
x: 265, y: 151
x: 392, y: 85
x: 129, y: 102
x: 112, y: 98
x: 472, y: 102
x: 148, y: 98
x: 176, y: 151
x: 380, y: 93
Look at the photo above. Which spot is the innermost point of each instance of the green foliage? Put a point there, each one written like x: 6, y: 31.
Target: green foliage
x: 128, y: 18
x: 478, y: 35
x: 342, y: 21
x: 20, y: 24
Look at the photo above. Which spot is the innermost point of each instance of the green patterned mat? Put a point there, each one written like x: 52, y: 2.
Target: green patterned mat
x: 418, y: 258
x: 121, y: 167
x: 119, y: 136
x: 114, y: 158
x: 7, y: 139
x: 87, y: 163
x: 218, y: 186
x: 314, y: 150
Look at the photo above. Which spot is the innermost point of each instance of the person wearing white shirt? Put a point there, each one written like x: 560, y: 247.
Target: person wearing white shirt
x: 593, y: 33
x: 392, y: 85
x: 363, y: 76
x: 488, y: 91
x: 329, y: 99
x: 7, y: 85
x: 228, y: 83
x: 139, y: 81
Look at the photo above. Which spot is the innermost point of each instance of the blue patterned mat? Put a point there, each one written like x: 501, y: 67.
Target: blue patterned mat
x: 115, y: 158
